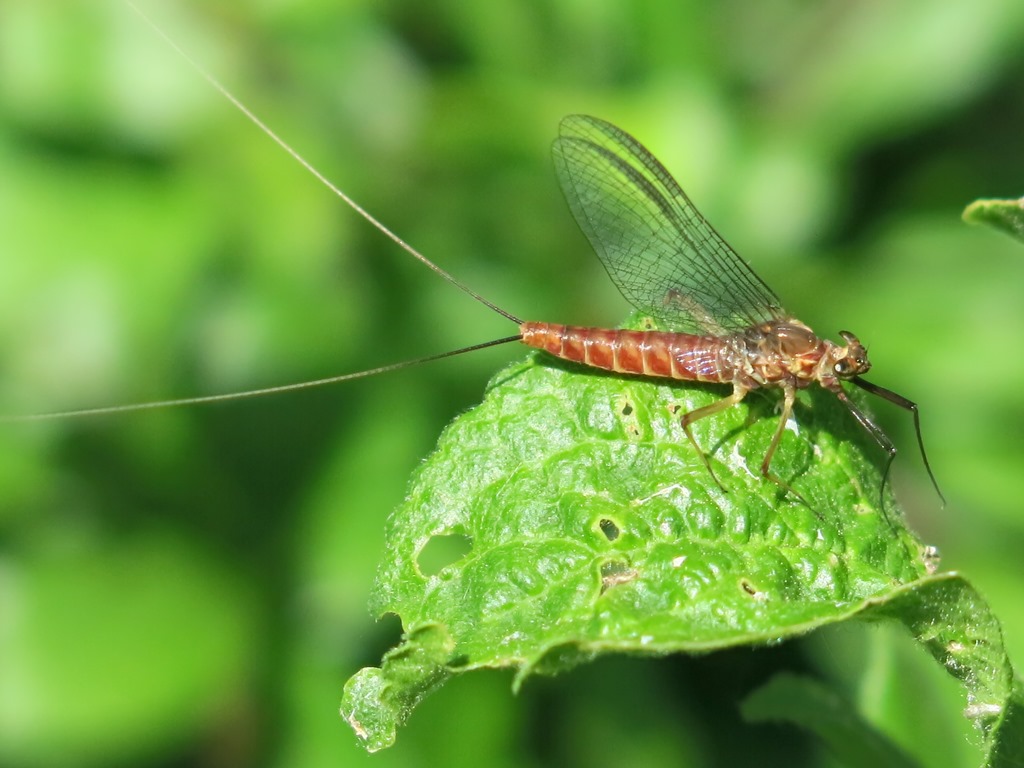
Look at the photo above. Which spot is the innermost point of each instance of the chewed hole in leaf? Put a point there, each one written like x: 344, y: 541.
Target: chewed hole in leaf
x: 748, y: 586
x: 443, y: 551
x: 616, y: 572
x: 628, y: 412
x: 609, y: 528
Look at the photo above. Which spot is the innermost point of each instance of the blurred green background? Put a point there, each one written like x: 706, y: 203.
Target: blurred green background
x: 188, y: 587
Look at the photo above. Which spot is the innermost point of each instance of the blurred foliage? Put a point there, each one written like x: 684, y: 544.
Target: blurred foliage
x: 189, y: 586
x: 807, y: 702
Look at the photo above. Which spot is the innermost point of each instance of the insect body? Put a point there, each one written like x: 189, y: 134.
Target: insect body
x: 786, y: 354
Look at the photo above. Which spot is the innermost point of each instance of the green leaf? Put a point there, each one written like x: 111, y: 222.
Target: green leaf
x: 594, y: 527
x: 956, y: 626
x: 812, y: 705
x: 1005, y: 215
x: 378, y: 700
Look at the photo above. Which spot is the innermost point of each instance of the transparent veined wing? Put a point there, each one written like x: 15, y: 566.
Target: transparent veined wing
x: 658, y: 249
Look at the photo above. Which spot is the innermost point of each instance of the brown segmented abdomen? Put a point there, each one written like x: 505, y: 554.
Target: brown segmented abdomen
x: 646, y: 353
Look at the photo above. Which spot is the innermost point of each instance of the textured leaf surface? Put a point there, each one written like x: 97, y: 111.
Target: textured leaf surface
x: 1005, y: 215
x: 593, y: 526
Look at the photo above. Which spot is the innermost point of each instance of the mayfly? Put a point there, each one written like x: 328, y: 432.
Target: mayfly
x: 722, y: 323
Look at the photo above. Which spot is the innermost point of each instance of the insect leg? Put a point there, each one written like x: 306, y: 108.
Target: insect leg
x: 880, y: 437
x: 883, y: 441
x: 789, y: 397
x: 738, y: 393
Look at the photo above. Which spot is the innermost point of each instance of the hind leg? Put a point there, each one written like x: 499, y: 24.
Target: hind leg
x: 738, y: 393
